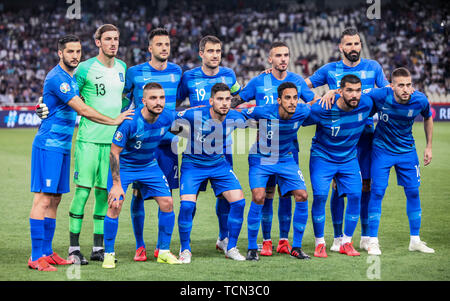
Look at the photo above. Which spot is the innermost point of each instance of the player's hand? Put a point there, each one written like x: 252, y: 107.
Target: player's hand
x: 124, y: 115
x: 115, y: 197
x: 41, y: 109
x: 328, y: 99
x: 428, y: 155
x: 267, y: 71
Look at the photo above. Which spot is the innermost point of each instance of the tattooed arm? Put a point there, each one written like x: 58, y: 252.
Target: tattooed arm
x: 116, y: 194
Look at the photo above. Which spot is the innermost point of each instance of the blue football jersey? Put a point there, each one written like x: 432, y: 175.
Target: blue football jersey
x: 263, y: 88
x: 369, y: 72
x: 206, y: 144
x: 276, y: 135
x: 140, y: 139
x: 338, y: 131
x: 196, y: 85
x: 139, y: 75
x: 394, y: 128
x: 56, y: 131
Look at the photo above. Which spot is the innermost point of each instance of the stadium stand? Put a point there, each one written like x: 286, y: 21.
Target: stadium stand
x: 412, y: 34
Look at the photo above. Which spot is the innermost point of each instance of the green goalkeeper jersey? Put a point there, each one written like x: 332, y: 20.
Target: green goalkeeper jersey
x: 101, y: 88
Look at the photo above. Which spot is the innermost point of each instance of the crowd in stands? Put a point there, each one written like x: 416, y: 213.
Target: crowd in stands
x: 409, y: 34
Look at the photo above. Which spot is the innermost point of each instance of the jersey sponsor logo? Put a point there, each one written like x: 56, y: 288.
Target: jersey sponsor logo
x: 335, y: 120
x: 118, y: 136
x: 98, y: 77
x: 64, y: 87
x: 267, y: 89
x: 147, y: 78
x: 198, y: 83
x: 121, y: 77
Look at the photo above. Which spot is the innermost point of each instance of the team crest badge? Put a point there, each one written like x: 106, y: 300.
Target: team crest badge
x: 180, y: 114
x: 410, y: 113
x: 64, y: 87
x: 121, y: 77
x: 118, y: 136
x: 250, y: 110
x: 360, y: 117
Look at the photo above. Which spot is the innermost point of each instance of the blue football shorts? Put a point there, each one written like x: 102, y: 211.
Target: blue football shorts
x: 347, y: 176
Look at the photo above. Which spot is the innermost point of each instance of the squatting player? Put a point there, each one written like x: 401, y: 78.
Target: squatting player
x: 50, y: 158
x: 272, y: 155
x: 101, y: 80
x: 263, y: 88
x: 204, y: 160
x: 168, y: 75
x: 133, y: 159
x: 393, y: 145
x: 334, y: 155
x: 196, y: 85
x: 371, y: 75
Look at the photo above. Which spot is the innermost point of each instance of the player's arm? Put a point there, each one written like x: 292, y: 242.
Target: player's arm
x: 90, y: 113
x: 116, y: 194
x: 428, y: 127
x: 126, y: 102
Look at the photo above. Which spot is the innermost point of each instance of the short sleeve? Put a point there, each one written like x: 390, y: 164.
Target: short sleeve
x: 426, y: 111
x: 122, y: 134
x: 314, y: 115
x: 129, y: 82
x: 306, y: 93
x: 182, y: 91
x: 63, y: 88
x: 249, y: 91
x: 236, y: 87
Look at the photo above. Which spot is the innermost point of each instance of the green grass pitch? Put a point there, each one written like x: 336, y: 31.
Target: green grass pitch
x: 396, y: 262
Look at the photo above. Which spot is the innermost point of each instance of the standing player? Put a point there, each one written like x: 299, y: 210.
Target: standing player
x: 196, y: 84
x: 272, y: 155
x: 101, y: 80
x: 50, y: 159
x: 371, y: 75
x: 263, y: 88
x: 393, y: 145
x: 133, y: 158
x: 204, y: 160
x: 334, y: 155
x: 168, y: 75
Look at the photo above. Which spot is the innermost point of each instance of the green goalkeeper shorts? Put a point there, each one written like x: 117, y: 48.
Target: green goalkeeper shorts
x: 91, y: 164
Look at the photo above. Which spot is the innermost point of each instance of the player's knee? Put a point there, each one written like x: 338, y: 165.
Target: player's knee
x: 300, y: 195
x: 258, y: 197
x: 165, y: 204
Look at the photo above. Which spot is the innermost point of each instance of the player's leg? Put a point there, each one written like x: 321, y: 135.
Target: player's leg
x: 349, y: 181
x: 101, y: 201
x: 137, y: 212
x: 85, y: 169
x: 285, y: 214
x: 321, y: 174
x: 260, y: 177
x: 337, y: 207
x: 191, y: 178
x: 267, y: 216
x: 111, y: 221
x: 168, y: 163
x: 254, y: 218
x: 222, y: 212
x: 100, y: 209
x: 49, y: 180
x: 41, y: 201
x: 364, y: 150
x: 380, y: 168
x: 290, y: 180
x: 224, y: 181
x: 408, y: 176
